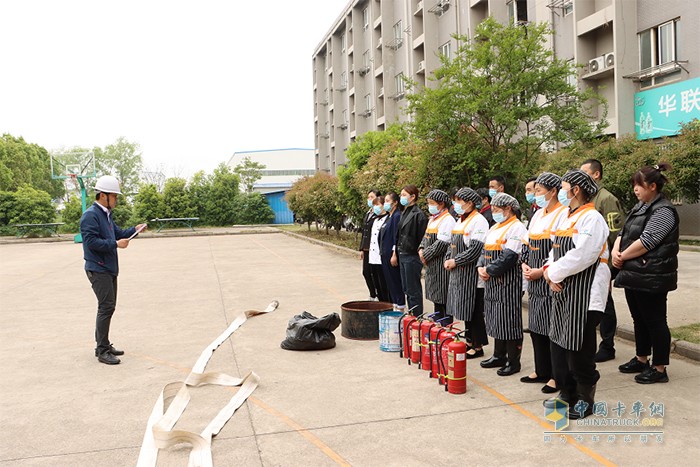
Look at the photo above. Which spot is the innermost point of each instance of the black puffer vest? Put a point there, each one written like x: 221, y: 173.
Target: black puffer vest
x: 657, y: 270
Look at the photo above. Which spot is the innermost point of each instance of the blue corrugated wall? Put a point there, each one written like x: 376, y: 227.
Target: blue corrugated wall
x: 279, y: 205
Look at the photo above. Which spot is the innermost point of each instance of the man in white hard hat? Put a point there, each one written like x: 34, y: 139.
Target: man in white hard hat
x: 101, y: 239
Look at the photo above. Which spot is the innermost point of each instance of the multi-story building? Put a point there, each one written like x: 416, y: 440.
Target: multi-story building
x: 643, y: 56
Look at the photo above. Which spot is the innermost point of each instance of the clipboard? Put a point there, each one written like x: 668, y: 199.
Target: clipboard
x: 138, y: 231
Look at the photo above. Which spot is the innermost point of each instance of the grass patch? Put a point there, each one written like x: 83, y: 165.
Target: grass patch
x: 342, y: 238
x: 688, y: 333
x: 690, y: 242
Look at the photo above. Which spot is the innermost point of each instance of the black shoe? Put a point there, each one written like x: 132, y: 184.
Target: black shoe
x: 509, y: 369
x: 604, y: 356
x: 547, y: 389
x: 586, y: 394
x: 562, y: 396
x: 538, y: 379
x: 633, y: 366
x: 651, y: 376
x: 494, y: 362
x: 108, y: 359
x: 112, y: 350
x: 476, y: 354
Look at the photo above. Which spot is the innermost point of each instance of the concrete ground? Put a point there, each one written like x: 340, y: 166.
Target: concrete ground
x: 352, y: 405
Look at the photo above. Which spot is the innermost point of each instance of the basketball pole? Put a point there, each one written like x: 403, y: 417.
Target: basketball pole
x: 83, y: 201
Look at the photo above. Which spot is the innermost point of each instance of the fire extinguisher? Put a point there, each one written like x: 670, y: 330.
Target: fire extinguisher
x: 435, y: 334
x: 425, y: 327
x: 405, y: 333
x: 414, y: 330
x: 456, y: 366
x: 443, y: 341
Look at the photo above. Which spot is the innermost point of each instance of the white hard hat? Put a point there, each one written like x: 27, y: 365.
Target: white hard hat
x: 108, y: 184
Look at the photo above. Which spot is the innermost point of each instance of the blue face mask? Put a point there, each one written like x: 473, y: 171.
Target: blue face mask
x: 477, y: 207
x: 432, y: 209
x: 563, y: 197
x: 541, y: 201
x: 377, y: 209
x: 387, y: 207
x: 459, y: 209
x: 369, y: 203
x: 498, y: 217
x: 404, y: 201
x: 492, y: 192
x: 530, y: 197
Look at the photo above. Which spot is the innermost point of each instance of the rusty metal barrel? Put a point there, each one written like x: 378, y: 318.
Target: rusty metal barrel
x: 360, y: 319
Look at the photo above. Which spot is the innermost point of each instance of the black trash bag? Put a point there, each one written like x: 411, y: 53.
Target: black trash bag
x: 307, y: 332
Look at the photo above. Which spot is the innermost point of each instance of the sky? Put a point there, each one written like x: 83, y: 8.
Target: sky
x: 191, y: 81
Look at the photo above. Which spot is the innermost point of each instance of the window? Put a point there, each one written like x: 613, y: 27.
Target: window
x: 517, y: 11
x: 658, y: 46
x: 342, y: 42
x: 343, y: 80
x: 568, y: 7
x: 365, y: 59
x: 400, y: 85
x: 444, y: 50
x: 398, y: 30
x: 365, y: 18
x: 345, y: 116
x: 368, y: 102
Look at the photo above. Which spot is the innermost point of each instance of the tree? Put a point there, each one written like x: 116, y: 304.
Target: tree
x: 148, y: 204
x: 199, y: 191
x: 30, y: 206
x: 220, y: 206
x: 249, y: 172
x: 176, y: 200
x: 508, y: 92
x: 324, y: 197
x: 22, y: 163
x: 72, y: 211
x: 123, y: 160
x: 252, y: 208
x: 299, y: 200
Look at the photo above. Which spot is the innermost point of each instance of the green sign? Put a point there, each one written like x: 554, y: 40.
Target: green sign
x: 659, y: 112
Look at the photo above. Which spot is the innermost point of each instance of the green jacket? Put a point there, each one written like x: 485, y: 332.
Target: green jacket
x: 610, y: 208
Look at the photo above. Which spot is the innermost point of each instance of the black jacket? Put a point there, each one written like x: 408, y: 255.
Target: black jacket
x: 655, y: 271
x: 387, y: 234
x: 411, y: 230
x: 367, y: 230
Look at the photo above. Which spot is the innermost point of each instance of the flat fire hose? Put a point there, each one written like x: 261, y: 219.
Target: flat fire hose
x: 175, y: 396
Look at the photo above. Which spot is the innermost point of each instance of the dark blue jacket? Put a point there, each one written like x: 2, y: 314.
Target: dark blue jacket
x: 388, y: 235
x: 100, y: 235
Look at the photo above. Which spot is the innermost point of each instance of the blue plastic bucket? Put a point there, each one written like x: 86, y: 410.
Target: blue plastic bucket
x: 389, y: 340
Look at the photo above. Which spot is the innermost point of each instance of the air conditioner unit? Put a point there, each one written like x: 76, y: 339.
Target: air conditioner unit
x: 421, y: 65
x: 609, y: 60
x: 596, y: 64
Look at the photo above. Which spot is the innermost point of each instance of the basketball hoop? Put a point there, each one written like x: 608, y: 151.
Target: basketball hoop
x: 72, y: 180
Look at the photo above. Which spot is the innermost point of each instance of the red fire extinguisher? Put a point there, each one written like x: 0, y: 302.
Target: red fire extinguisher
x: 405, y: 335
x: 435, y: 334
x: 425, y: 327
x: 456, y: 366
x: 439, y: 354
x: 414, y: 330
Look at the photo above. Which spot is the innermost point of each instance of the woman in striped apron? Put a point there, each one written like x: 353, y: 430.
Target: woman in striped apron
x: 432, y: 252
x: 499, y: 267
x: 579, y: 278
x: 464, y: 300
x: 538, y: 243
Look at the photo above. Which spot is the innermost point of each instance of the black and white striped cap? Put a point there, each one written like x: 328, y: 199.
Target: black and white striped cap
x: 549, y: 180
x: 439, y: 196
x: 504, y: 199
x: 577, y: 177
x: 467, y: 194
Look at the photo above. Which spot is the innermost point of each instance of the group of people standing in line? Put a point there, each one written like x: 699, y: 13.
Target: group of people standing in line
x: 479, y: 258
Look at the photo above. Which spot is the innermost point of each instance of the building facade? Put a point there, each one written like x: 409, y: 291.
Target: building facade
x: 643, y: 56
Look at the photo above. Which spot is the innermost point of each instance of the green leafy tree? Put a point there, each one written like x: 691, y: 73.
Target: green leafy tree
x: 299, y: 200
x: 72, y: 211
x: 148, y: 204
x: 199, y: 191
x: 176, y: 199
x: 253, y: 208
x: 249, y: 172
x: 31, y: 206
x: 121, y: 159
x: 221, y: 206
x: 24, y: 163
x: 324, y: 197
x: 507, y: 93
x: 123, y: 212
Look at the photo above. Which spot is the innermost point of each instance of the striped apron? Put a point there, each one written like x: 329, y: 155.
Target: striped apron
x: 570, y: 306
x: 461, y: 293
x: 436, y: 276
x: 538, y: 291
x: 503, y: 313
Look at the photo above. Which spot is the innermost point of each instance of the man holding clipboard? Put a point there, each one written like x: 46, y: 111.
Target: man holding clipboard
x: 101, y: 239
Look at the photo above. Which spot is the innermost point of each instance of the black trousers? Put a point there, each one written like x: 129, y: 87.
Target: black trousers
x: 608, y: 326
x: 367, y: 274
x: 543, y: 355
x: 411, y: 267
x: 571, y: 367
x: 651, y: 331
x: 392, y: 277
x: 377, y: 276
x: 441, y: 314
x: 512, y: 352
x: 476, y: 328
x: 105, y: 287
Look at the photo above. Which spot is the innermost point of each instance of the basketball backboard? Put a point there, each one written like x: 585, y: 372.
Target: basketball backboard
x: 67, y: 164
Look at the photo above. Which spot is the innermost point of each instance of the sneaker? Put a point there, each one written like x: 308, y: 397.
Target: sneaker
x: 633, y: 366
x: 108, y: 359
x: 651, y: 376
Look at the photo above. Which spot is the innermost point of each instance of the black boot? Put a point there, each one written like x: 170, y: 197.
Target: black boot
x: 566, y: 394
x: 515, y: 349
x: 499, y: 355
x: 585, y: 398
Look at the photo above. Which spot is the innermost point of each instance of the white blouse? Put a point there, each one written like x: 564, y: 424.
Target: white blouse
x: 375, y: 256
